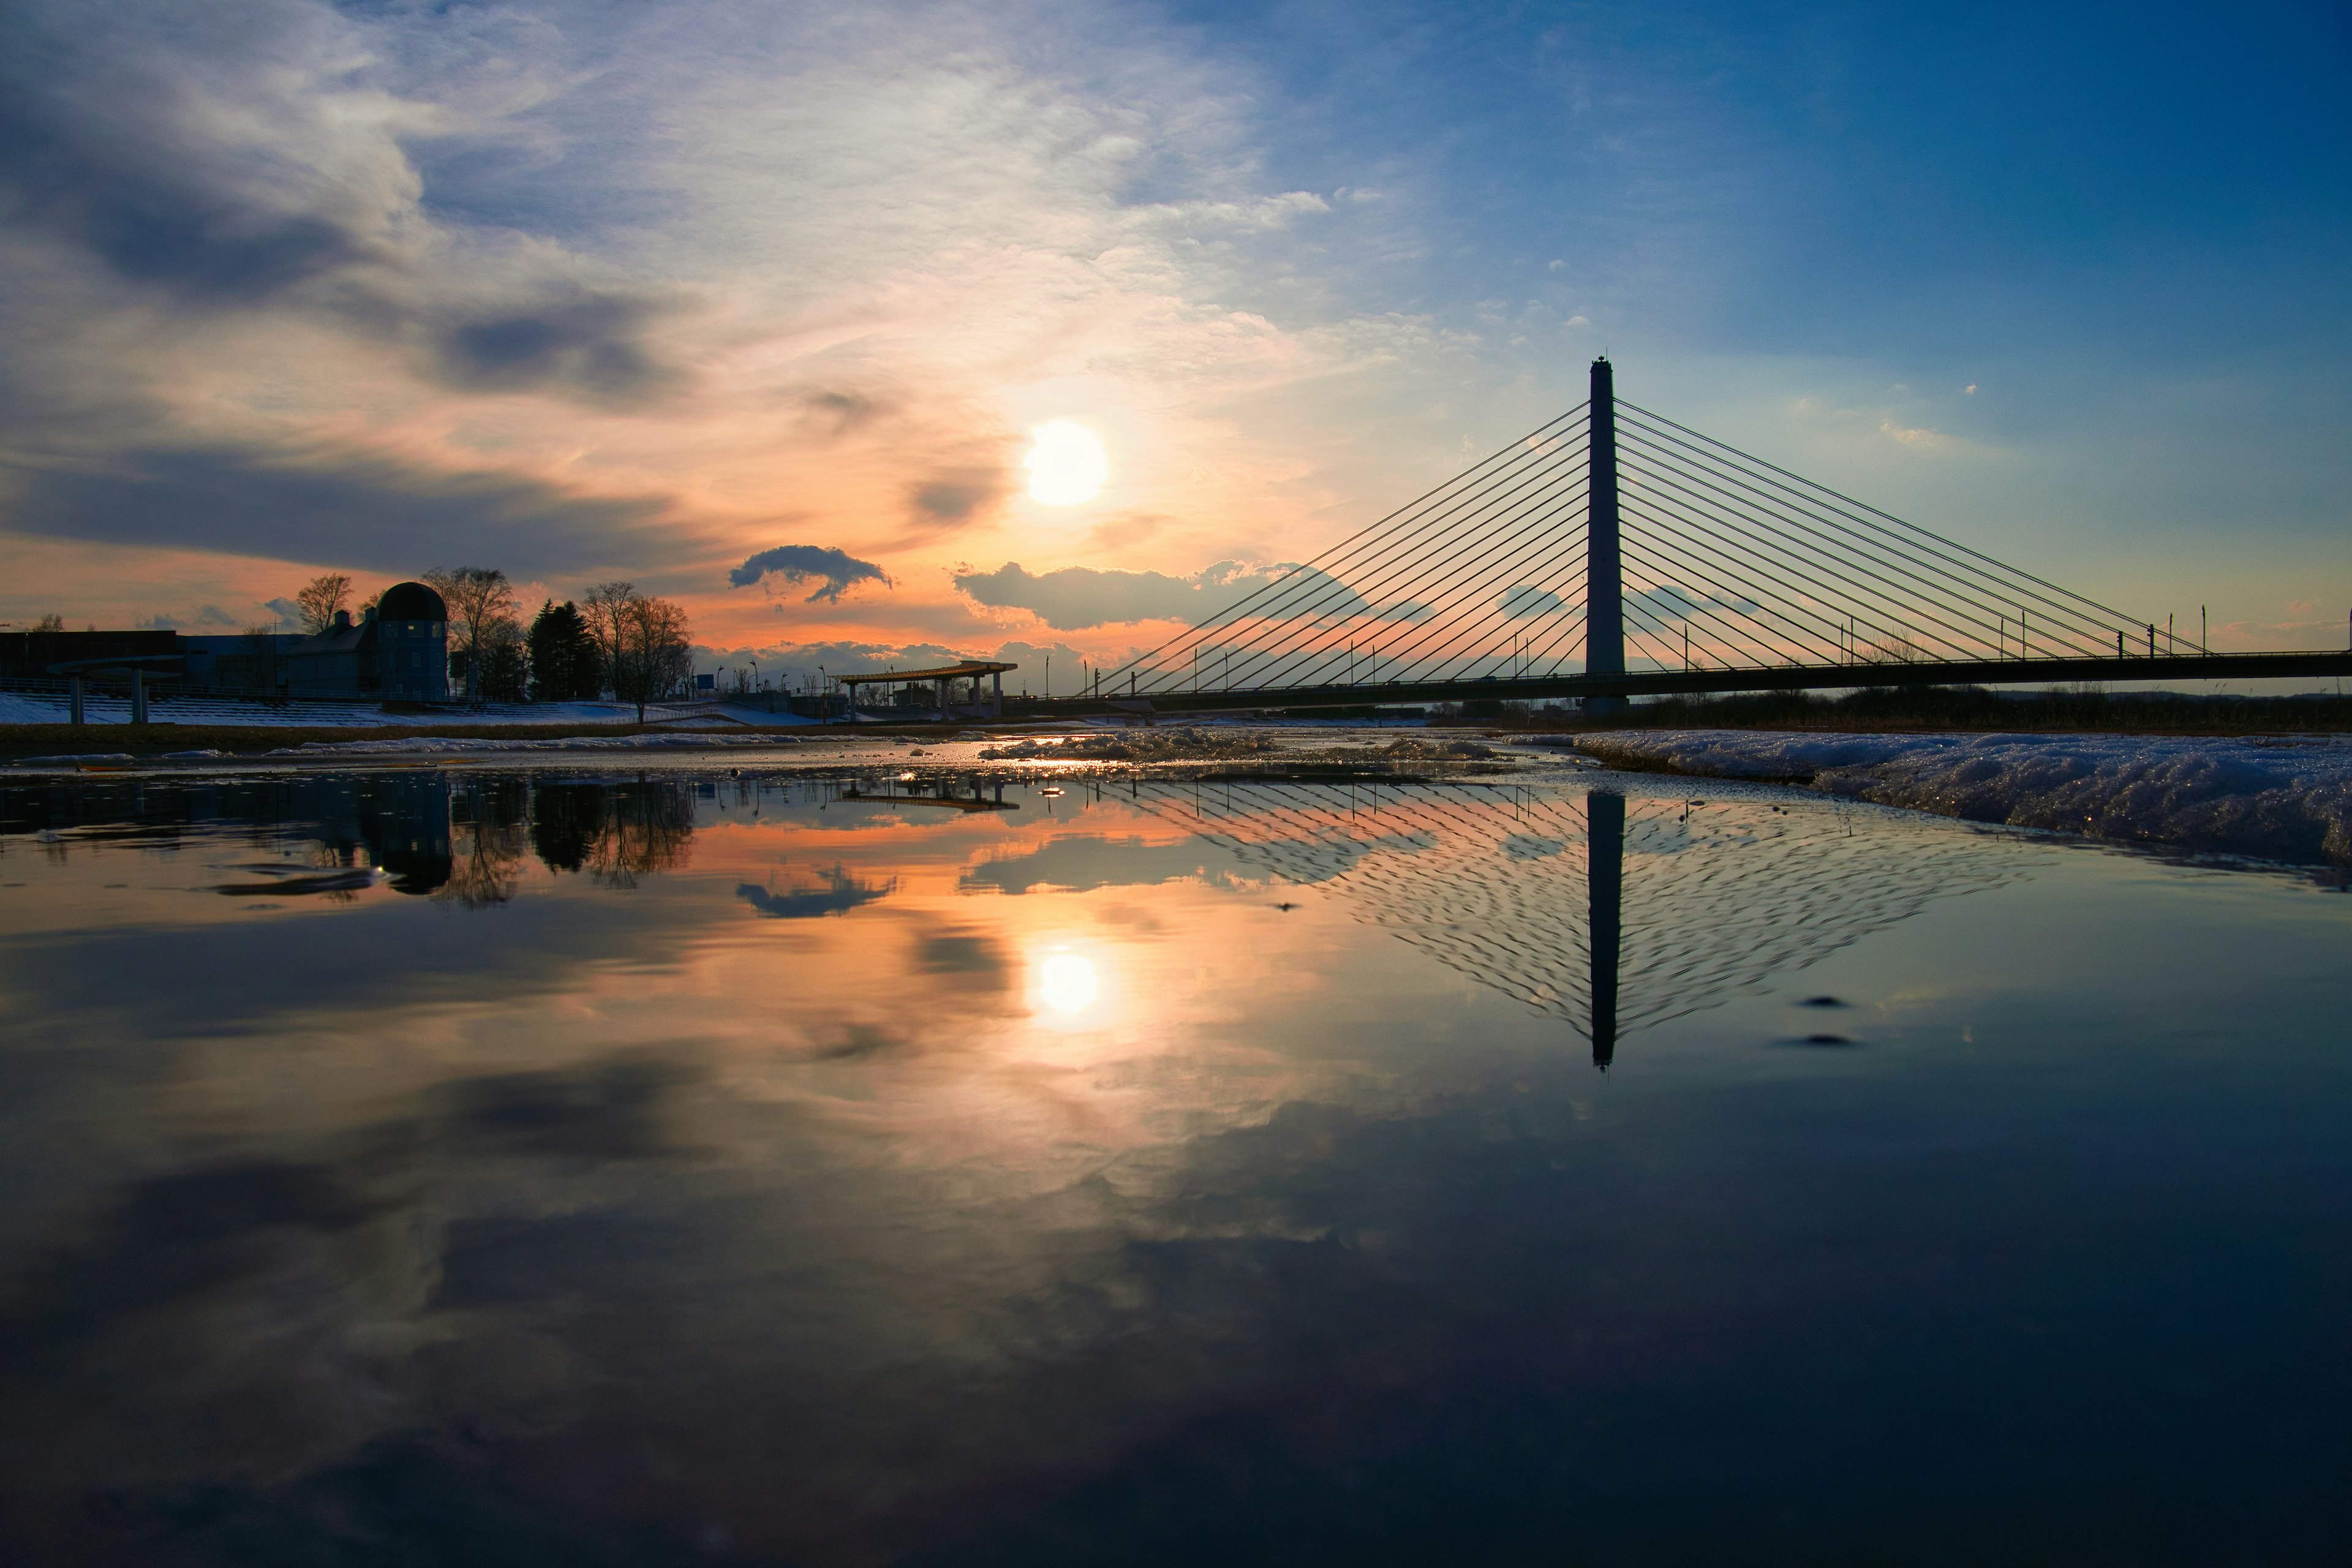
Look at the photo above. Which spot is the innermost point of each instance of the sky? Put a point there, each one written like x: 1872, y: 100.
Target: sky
x: 758, y: 306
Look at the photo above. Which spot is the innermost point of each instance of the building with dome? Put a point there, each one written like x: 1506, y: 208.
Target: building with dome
x: 397, y: 650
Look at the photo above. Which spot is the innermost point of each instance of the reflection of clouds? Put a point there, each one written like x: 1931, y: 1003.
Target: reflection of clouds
x: 818, y: 1211
x: 1716, y: 898
x: 836, y: 893
x: 1080, y: 862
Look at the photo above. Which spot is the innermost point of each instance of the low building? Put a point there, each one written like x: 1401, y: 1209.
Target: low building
x: 397, y: 650
x: 36, y: 654
x: 239, y: 662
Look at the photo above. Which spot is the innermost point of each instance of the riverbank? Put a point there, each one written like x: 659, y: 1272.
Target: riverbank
x: 2279, y: 797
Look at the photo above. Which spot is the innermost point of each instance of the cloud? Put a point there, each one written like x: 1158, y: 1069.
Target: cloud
x: 288, y: 612
x: 1670, y: 603
x: 361, y: 510
x: 844, y: 411
x: 254, y: 164
x: 1913, y: 435
x: 1263, y: 213
x: 796, y: 563
x: 1523, y: 601
x: 954, y: 497
x: 593, y: 346
x: 1077, y: 597
x: 152, y: 170
x: 206, y: 615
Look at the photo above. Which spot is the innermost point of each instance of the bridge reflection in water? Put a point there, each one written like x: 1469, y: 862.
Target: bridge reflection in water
x: 1612, y: 912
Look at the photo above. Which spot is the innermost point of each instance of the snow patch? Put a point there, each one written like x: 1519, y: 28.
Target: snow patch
x: 2277, y: 798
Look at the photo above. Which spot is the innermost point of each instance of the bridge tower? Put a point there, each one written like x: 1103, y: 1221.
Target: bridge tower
x: 1604, y: 878
x: 1604, y: 601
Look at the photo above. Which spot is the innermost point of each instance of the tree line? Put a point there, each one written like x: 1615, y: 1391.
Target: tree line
x: 614, y: 639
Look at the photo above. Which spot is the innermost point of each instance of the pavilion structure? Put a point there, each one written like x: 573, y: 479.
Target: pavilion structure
x: 943, y: 680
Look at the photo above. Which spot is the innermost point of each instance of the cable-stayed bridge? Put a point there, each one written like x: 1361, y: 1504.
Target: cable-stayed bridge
x: 1614, y: 553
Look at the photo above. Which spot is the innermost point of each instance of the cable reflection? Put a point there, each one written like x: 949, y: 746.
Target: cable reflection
x: 1614, y: 913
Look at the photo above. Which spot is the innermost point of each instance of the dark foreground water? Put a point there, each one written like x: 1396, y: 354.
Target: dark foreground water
x: 419, y: 1167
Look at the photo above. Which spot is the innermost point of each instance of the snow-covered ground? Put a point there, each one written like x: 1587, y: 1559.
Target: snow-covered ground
x: 32, y: 708
x: 2280, y: 797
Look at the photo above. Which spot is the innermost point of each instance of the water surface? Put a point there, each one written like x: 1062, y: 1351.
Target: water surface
x: 420, y: 1166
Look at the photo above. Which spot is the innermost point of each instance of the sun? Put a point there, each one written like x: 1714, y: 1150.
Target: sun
x: 1066, y: 463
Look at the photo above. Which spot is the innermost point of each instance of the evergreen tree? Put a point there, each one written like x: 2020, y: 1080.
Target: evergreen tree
x: 566, y: 660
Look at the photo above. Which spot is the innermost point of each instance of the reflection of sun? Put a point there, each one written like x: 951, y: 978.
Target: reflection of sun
x: 1066, y: 465
x: 1067, y: 983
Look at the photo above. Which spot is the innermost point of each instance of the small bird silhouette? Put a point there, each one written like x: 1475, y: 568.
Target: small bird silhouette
x: 1286, y: 908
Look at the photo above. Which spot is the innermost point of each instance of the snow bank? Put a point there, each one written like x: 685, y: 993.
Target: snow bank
x: 1193, y: 745
x: 2279, y: 797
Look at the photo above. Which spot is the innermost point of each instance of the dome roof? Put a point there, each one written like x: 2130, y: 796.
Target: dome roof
x: 411, y: 602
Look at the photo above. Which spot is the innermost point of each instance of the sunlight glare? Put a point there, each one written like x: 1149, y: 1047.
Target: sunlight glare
x: 1067, y: 983
x: 1066, y: 464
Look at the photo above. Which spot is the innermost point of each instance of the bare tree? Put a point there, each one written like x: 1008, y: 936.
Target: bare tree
x: 321, y: 599
x: 52, y: 622
x: 657, y: 652
x: 605, y: 607
x: 479, y: 598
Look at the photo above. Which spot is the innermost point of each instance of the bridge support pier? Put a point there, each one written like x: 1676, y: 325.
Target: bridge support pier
x: 1604, y: 594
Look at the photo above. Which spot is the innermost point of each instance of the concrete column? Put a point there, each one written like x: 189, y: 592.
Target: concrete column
x: 139, y: 697
x: 996, y: 694
x: 1604, y: 594
x: 80, y: 716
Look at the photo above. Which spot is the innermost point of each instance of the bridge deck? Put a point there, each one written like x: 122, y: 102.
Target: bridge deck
x: 1666, y: 682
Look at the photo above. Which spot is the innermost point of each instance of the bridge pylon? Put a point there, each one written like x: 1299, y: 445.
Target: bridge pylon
x: 1604, y: 589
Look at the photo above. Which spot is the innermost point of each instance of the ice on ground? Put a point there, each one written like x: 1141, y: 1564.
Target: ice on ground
x: 1190, y: 744
x: 1139, y: 746
x: 2279, y: 797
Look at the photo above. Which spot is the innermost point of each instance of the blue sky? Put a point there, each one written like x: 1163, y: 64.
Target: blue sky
x: 593, y: 290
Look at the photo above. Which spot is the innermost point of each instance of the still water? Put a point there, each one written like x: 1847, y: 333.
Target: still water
x: 420, y: 1166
